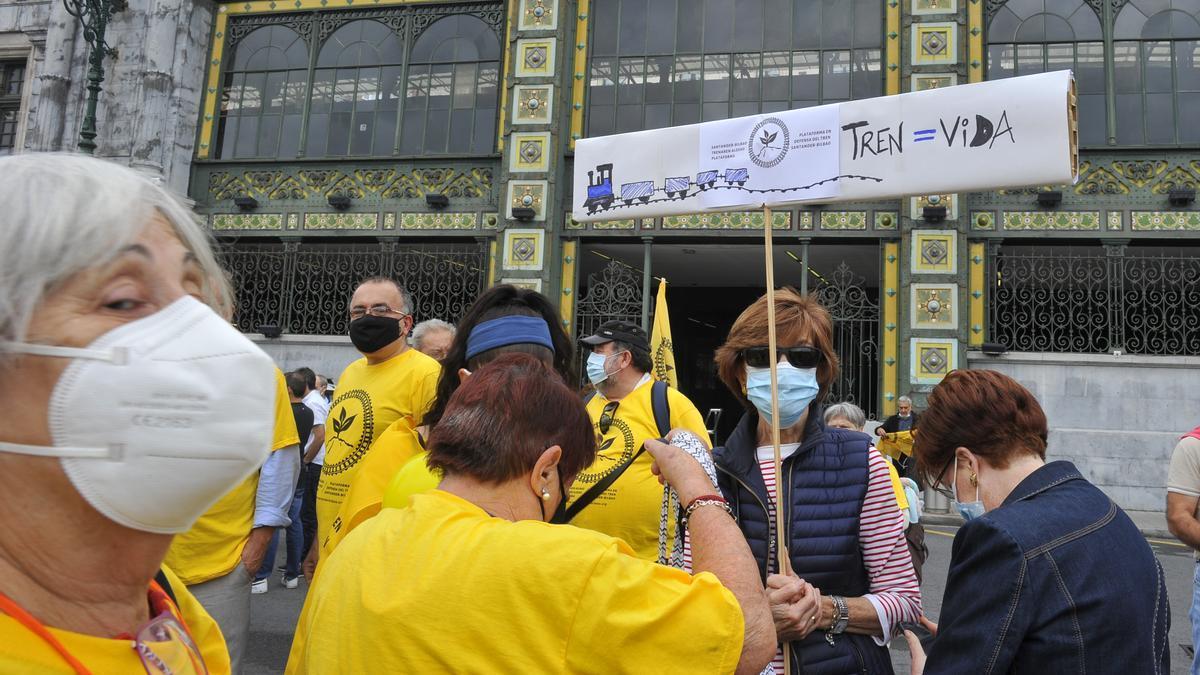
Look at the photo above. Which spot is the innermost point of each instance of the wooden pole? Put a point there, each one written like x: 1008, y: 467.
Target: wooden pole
x: 781, y: 551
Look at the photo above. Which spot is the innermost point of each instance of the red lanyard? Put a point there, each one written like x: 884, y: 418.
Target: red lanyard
x: 159, y: 601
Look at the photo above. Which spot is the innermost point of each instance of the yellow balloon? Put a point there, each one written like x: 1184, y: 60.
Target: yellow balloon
x: 413, y: 478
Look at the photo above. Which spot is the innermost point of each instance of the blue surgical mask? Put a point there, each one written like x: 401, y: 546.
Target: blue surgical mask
x: 797, y: 389
x: 968, y: 510
x: 595, y: 367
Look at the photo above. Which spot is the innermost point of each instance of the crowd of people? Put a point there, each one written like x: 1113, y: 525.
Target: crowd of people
x: 457, y: 505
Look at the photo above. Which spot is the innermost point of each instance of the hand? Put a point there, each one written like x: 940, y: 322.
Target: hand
x: 681, y: 471
x: 795, y: 606
x: 309, y: 566
x: 916, y: 651
x: 256, y: 548
x: 879, y: 431
x: 929, y: 625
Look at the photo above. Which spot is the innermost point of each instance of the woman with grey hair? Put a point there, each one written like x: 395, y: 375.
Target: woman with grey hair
x: 845, y: 416
x: 139, y: 407
x: 432, y: 337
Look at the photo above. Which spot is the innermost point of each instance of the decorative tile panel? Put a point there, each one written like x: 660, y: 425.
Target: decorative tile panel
x: 934, y: 252
x: 1147, y: 221
x: 535, y: 58
x: 806, y: 220
x: 523, y: 249
x: 247, y: 221
x: 533, y: 284
x: 572, y: 224
x: 538, y: 15
x: 389, y: 221
x: 1052, y: 220
x: 530, y: 152
x: 491, y: 221
x: 732, y: 220
x: 934, y: 43
x: 341, y: 221
x: 439, y: 221
x: 528, y: 194
x: 887, y: 220
x: 925, y: 81
x: 977, y: 290
x: 533, y: 104
x: 843, y: 220
x: 624, y: 224
x: 1116, y: 220
x: 918, y: 204
x: 293, y: 221
x: 932, y: 359
x: 922, y: 7
x: 983, y: 220
x: 934, y: 306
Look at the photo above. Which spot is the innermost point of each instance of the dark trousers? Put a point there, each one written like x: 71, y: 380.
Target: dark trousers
x: 308, y: 512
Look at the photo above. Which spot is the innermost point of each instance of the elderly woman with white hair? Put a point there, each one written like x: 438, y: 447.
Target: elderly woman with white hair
x: 138, y: 407
x: 432, y: 337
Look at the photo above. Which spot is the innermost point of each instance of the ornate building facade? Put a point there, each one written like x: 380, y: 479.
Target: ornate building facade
x: 325, y: 141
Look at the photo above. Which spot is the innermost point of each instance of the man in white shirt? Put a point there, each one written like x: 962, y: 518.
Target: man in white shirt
x: 314, y: 454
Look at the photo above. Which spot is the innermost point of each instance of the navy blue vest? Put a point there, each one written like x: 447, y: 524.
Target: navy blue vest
x: 824, y: 483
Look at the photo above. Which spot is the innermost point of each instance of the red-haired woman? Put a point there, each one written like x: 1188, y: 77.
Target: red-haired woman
x: 1048, y: 575
x: 470, y: 578
x: 853, y: 581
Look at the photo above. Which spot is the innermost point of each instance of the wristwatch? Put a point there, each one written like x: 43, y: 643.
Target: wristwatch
x: 841, y: 618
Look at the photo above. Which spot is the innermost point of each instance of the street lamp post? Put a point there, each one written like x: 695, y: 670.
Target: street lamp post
x: 94, y: 15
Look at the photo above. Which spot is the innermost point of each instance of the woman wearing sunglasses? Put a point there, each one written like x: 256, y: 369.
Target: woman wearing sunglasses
x: 852, y: 582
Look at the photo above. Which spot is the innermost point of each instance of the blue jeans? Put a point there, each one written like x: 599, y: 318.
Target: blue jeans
x: 295, y: 544
x: 1194, y: 615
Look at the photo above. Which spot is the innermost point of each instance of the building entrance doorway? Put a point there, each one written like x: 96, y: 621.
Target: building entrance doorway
x: 709, y: 286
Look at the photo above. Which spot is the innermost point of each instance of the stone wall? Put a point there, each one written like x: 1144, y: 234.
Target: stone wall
x: 1116, y: 417
x: 150, y: 99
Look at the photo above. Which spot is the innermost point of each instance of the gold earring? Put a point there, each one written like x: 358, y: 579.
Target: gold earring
x: 545, y: 495
x: 974, y: 480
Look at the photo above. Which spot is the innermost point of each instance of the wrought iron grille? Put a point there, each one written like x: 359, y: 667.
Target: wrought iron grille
x: 305, y: 288
x: 855, y: 315
x: 1096, y: 299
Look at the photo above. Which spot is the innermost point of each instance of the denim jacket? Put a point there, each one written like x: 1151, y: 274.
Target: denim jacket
x: 1056, y: 580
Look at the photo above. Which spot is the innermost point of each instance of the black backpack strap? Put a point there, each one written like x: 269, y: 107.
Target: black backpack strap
x: 166, y: 586
x: 595, y: 491
x: 588, y: 399
x: 662, y: 407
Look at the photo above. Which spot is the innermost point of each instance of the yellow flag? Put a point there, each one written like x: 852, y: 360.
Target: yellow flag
x: 661, y: 347
x: 896, y: 444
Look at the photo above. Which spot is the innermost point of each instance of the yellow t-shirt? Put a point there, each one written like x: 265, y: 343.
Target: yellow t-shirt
x: 897, y: 487
x: 630, y: 508
x: 213, y: 547
x: 370, y: 398
x: 413, y: 479
x: 21, y: 651
x: 395, y: 447
x: 441, y: 586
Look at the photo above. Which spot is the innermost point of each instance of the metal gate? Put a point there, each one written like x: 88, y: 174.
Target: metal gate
x: 855, y: 339
x: 305, y: 288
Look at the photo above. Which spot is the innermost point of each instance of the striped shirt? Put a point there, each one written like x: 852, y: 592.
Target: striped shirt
x: 894, y: 590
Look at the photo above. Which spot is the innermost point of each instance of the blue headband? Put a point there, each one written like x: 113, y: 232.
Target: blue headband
x: 508, y: 330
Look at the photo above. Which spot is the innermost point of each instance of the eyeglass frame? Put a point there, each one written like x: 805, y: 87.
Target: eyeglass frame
x: 151, y: 661
x: 786, y: 352
x: 609, y: 411
x: 379, y: 309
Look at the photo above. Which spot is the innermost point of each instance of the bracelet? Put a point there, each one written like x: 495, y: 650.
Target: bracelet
x: 703, y: 500
x: 840, y: 619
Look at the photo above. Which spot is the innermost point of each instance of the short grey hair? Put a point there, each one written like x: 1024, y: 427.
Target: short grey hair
x: 422, y: 329
x: 904, y: 399
x: 847, y: 411
x: 62, y: 213
x: 406, y: 300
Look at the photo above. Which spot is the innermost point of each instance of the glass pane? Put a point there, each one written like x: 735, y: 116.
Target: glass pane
x: 1032, y: 29
x: 1092, y: 131
x: 1060, y: 57
x: 1189, y: 103
x: 413, y: 132
x: 660, y: 17
x: 464, y: 85
x: 774, y: 106
x: 1160, y: 118
x: 437, y: 131
x: 362, y: 134
x: 1128, y: 67
x: 604, y: 30
x: 1129, y: 23
x: 483, y: 141
x: 688, y: 113
x: 231, y: 98
x: 1002, y: 62
x: 718, y: 26
x: 440, y: 78
x: 268, y: 136
x: 339, y: 134
x: 658, y: 79
x: 289, y: 138
x: 687, y: 79
x: 806, y: 24
x: 806, y: 76
x: 632, y: 38
x: 776, y: 68
x: 322, y: 93
x: 601, y: 88
x: 247, y: 137
x: 1129, y: 119
x: 318, y: 135
x: 1157, y: 57
x: 367, y: 95
x: 743, y: 108
x: 868, y: 23
x: 252, y: 93
x: 1089, y: 67
x: 385, y: 133
x: 485, y: 94
x: 601, y: 120
x: 1187, y: 67
x: 688, y: 29
x: 1030, y: 59
x: 867, y: 78
x: 1085, y: 23
x: 228, y: 138
x: 835, y: 76
x: 630, y: 76
x: 1057, y: 29
x: 746, y: 77
x: 778, y: 29
x: 295, y: 91
x: 715, y: 111
x: 658, y: 116
x: 343, y: 89
x: 716, y: 77
x: 748, y: 25
x: 391, y: 88
x: 460, y: 130
x: 629, y: 118
x: 835, y: 24
x: 1003, y: 27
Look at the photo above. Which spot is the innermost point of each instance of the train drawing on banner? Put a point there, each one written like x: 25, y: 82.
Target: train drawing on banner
x: 601, y: 196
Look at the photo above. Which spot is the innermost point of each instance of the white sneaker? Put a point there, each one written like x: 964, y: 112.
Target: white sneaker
x: 259, y: 587
x: 290, y: 582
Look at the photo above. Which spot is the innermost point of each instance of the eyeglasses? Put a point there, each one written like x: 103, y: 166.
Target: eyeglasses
x: 374, y: 310
x: 166, y: 648
x: 799, y: 357
x: 606, y: 416
x: 944, y: 490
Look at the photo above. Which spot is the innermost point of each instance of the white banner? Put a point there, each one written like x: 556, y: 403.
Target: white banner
x: 1007, y: 133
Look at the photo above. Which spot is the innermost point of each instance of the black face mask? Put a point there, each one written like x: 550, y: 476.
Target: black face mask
x: 372, y: 333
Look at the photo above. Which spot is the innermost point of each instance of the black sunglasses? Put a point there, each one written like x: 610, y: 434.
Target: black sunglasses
x: 799, y: 357
x: 606, y: 416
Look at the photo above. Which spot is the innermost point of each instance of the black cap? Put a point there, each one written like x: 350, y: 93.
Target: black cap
x: 624, y: 331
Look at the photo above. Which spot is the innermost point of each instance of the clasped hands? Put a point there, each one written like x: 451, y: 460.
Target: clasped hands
x: 795, y: 606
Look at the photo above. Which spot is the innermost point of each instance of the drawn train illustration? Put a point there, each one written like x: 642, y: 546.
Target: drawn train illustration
x: 600, y: 195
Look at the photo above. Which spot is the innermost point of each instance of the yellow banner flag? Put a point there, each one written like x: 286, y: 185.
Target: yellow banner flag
x: 896, y: 444
x: 661, y: 347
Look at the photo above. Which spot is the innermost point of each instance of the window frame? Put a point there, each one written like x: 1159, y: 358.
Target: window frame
x: 12, y: 54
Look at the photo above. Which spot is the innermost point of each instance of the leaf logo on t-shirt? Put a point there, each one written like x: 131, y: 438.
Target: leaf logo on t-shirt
x: 343, y: 422
x: 606, y: 444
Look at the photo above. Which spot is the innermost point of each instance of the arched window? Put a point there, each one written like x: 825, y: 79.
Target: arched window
x: 658, y: 63
x: 356, y: 92
x: 453, y: 80
x: 262, y: 103
x: 1157, y: 63
x: 1037, y: 36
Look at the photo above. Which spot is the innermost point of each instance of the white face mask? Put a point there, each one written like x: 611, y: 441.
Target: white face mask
x: 157, y: 419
